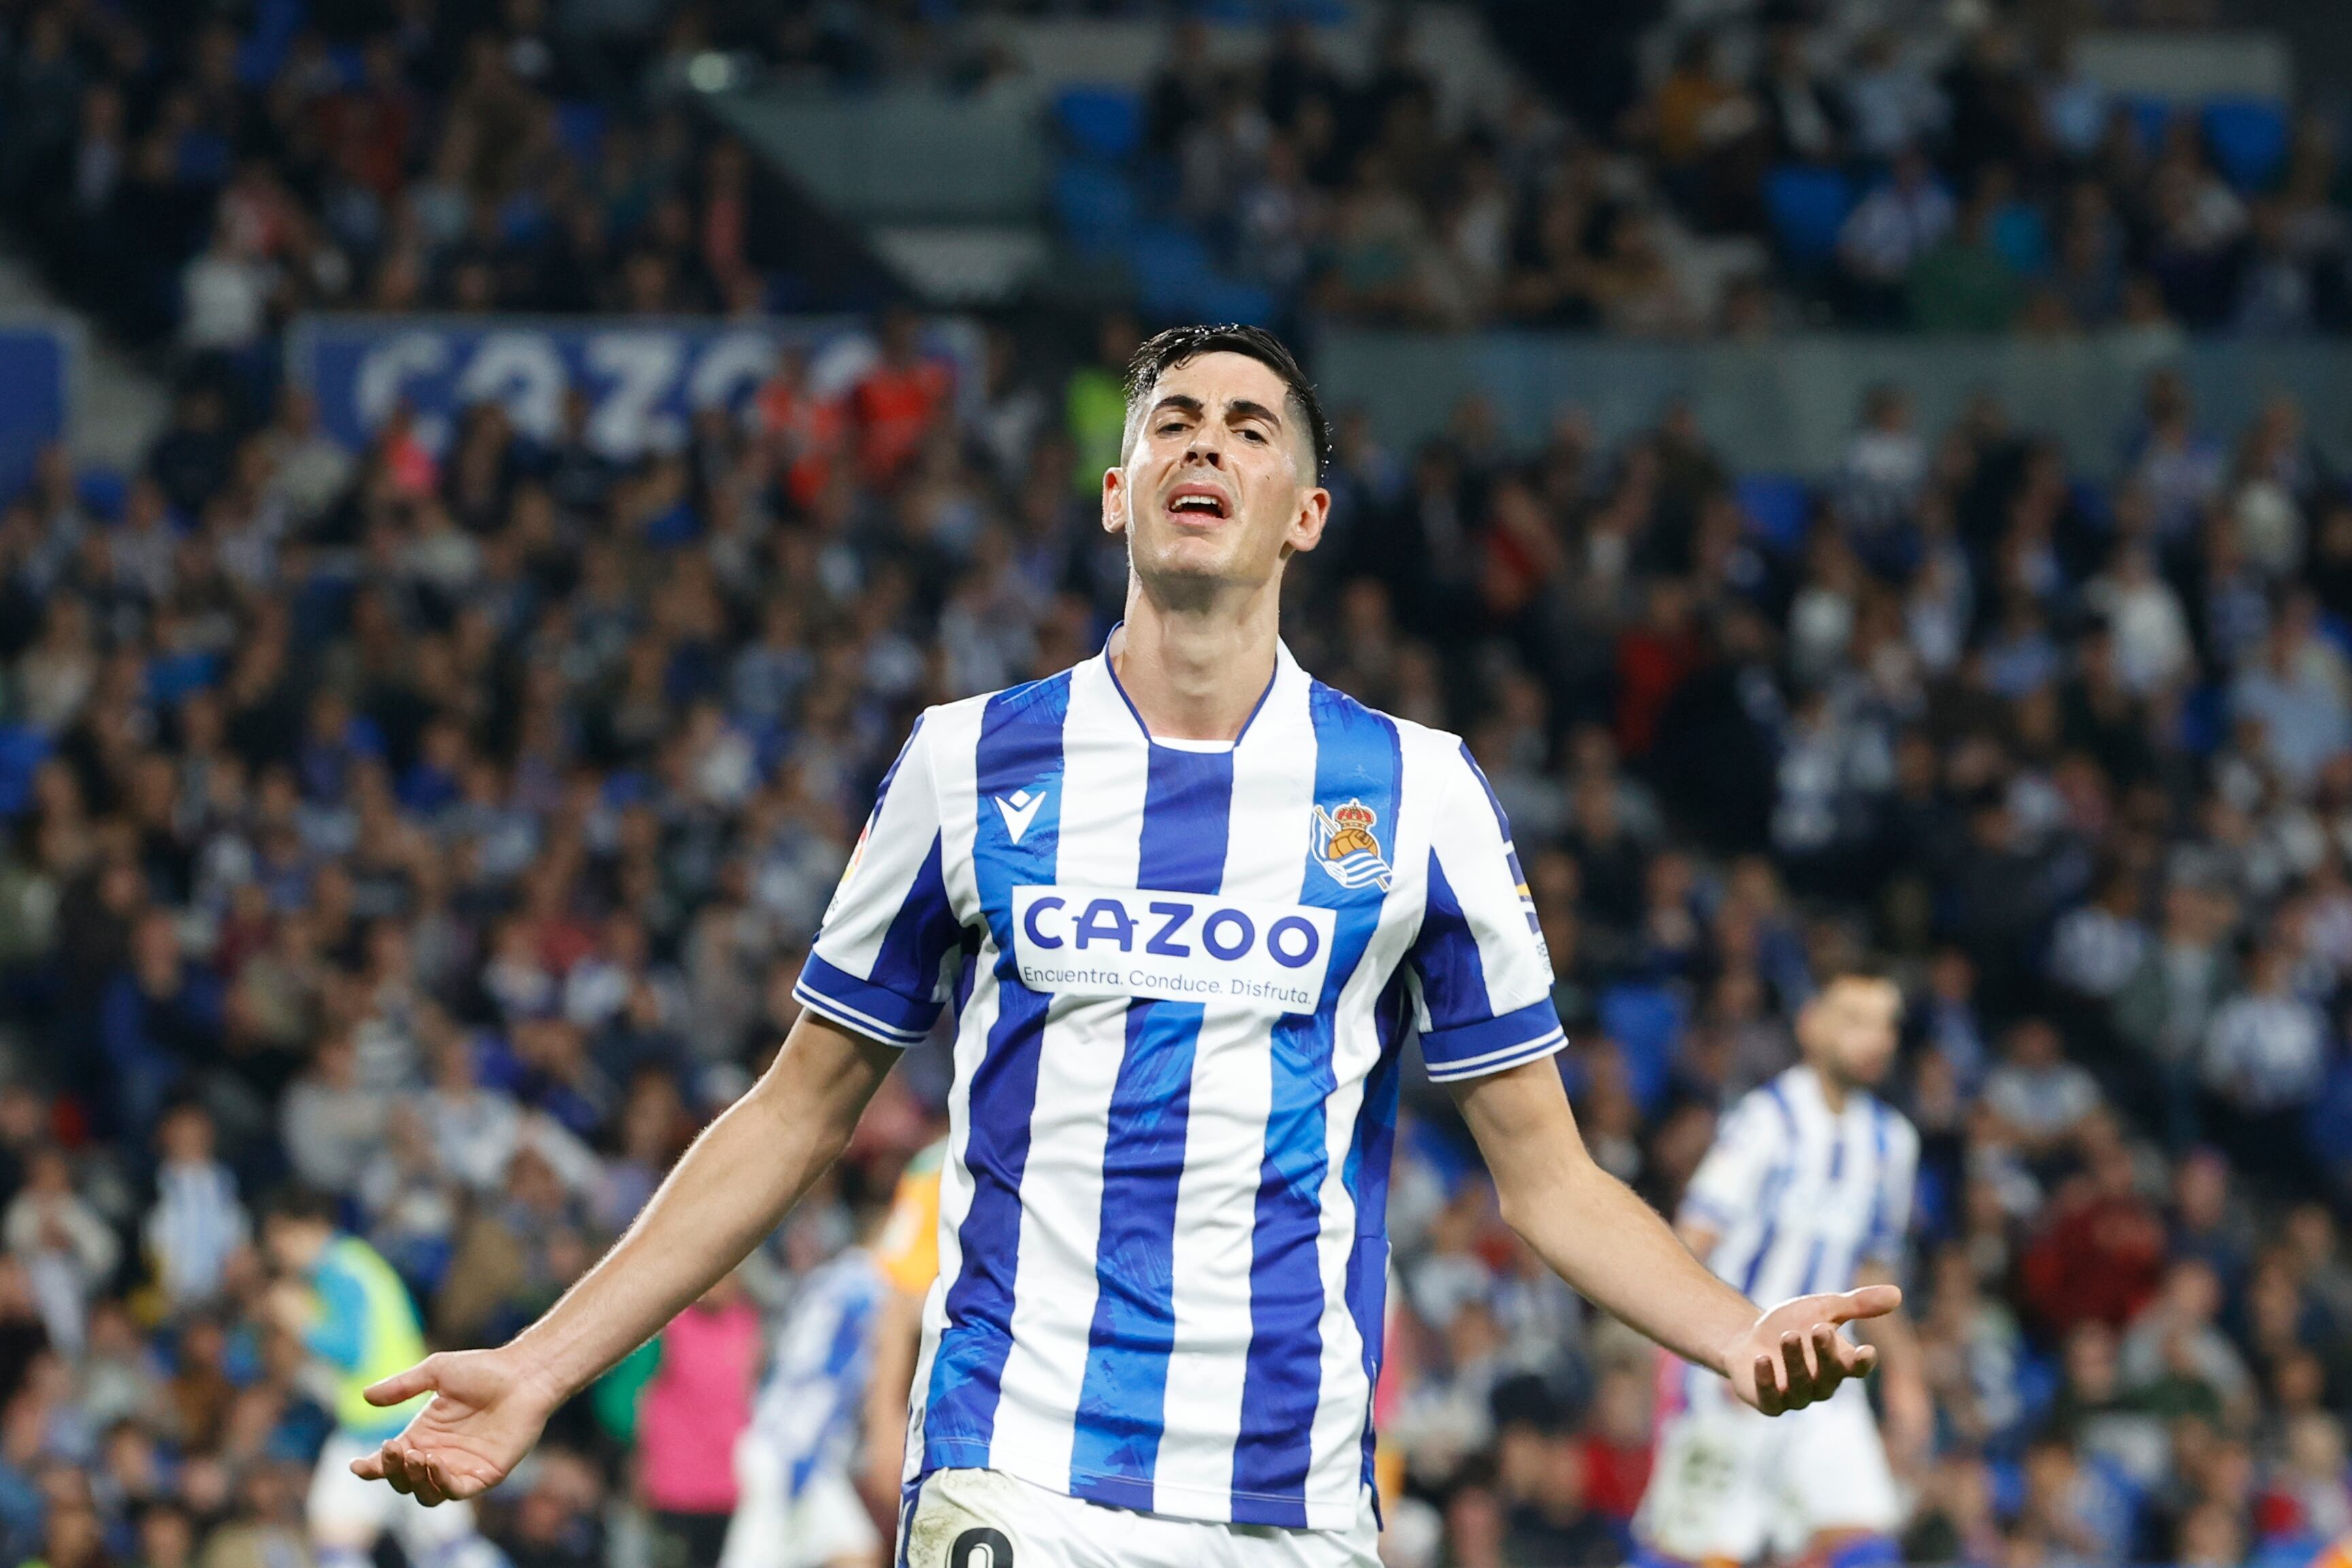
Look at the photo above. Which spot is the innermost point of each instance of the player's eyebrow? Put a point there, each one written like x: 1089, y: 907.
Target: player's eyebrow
x: 1240, y: 407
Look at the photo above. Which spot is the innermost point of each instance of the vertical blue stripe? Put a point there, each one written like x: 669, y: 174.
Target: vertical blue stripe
x: 1020, y: 747
x: 1366, y: 1178
x: 1358, y: 756
x: 1872, y: 1237
x: 1812, y: 1268
x: 1122, y: 1402
x: 919, y: 936
x: 1769, y: 1196
x: 1446, y: 957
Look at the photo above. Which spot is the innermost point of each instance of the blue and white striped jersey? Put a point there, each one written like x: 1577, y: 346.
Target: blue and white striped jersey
x: 1184, y: 974
x: 809, y: 1403
x: 1801, y: 1196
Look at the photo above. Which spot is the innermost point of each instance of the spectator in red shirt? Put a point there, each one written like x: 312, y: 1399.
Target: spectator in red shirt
x: 893, y: 408
x: 801, y: 431
x: 2102, y: 1256
x: 1653, y: 658
x: 1617, y: 1443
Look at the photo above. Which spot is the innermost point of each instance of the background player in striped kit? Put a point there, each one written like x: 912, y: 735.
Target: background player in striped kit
x: 1808, y: 1188
x: 1181, y: 1009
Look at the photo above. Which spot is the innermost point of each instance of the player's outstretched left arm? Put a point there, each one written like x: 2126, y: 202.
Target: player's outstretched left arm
x: 1610, y: 1246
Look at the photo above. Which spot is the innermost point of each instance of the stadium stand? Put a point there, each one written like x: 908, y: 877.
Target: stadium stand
x: 443, y: 823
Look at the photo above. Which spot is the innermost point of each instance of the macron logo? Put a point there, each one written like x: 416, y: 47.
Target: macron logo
x: 1019, y: 809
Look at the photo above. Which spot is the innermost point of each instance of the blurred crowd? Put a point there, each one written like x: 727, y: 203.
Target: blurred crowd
x: 1868, y: 166
x: 1886, y: 164
x: 200, y: 177
x: 446, y: 829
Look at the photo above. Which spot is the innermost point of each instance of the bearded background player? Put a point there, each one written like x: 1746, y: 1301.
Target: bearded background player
x: 1161, y: 1234
x: 1808, y: 1188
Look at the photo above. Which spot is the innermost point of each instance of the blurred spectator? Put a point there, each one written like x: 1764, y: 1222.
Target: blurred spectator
x: 2040, y: 1099
x: 696, y: 1406
x: 66, y: 1250
x: 197, y: 1225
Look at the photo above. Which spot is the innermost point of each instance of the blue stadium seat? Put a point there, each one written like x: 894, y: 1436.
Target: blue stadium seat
x: 103, y: 490
x: 22, y: 749
x: 1171, y: 267
x: 1808, y: 207
x: 2328, y: 1124
x: 2153, y: 116
x: 1104, y: 123
x: 1646, y: 1022
x: 260, y: 53
x: 2204, y: 720
x: 1222, y: 298
x: 2037, y: 1381
x: 1779, y: 508
x: 580, y: 126
x: 2337, y: 630
x: 2008, y: 1480
x: 2248, y: 139
x: 1096, y: 205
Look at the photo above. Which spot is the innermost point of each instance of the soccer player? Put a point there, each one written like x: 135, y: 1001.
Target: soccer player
x: 348, y: 1310
x: 1808, y: 1189
x: 798, y: 1504
x: 1188, y: 904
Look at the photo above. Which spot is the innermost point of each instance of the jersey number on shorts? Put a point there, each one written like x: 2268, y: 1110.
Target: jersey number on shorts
x: 982, y: 1548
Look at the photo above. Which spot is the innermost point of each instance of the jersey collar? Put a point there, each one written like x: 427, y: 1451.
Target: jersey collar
x: 1285, y: 668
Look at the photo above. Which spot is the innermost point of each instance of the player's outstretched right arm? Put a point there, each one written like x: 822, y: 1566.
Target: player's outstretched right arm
x: 732, y: 1187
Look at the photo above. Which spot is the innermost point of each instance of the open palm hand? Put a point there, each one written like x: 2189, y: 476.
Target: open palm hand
x: 1793, y: 1356
x: 485, y: 1415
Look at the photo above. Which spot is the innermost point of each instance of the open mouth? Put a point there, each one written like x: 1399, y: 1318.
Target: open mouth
x: 1202, y: 501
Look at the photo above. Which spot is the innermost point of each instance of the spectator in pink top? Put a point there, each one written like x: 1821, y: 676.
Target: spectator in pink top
x: 698, y: 1401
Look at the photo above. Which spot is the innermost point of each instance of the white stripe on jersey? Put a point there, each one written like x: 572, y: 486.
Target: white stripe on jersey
x: 1162, y: 1247
x: 1799, y: 1196
x: 1216, y: 1202
x: 1062, y: 1192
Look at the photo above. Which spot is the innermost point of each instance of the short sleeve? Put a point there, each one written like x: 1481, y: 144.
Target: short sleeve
x: 1890, y: 1214
x: 1722, y: 1192
x: 1480, y: 977
x: 878, y: 964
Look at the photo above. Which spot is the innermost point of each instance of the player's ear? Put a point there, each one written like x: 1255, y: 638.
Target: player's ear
x: 1306, y: 525
x: 1118, y: 507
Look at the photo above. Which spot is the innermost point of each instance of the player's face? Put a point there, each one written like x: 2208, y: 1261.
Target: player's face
x: 1850, y: 1027
x: 293, y: 1245
x: 1218, y: 487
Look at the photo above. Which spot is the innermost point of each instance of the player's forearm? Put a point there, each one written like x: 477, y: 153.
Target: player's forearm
x: 1614, y: 1248
x: 729, y: 1189
x: 1589, y: 1226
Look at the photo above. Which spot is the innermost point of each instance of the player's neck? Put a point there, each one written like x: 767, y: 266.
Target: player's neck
x: 1196, y: 673
x: 1834, y: 1088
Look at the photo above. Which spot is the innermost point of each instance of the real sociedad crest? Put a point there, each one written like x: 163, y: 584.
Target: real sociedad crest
x: 1344, y: 844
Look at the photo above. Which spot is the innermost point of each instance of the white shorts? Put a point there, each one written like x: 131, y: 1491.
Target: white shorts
x: 825, y: 1524
x: 346, y: 1511
x: 986, y: 1519
x: 1728, y: 1481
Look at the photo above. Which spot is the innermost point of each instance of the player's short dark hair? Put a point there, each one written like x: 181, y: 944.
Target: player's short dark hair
x: 1163, y: 352
x: 1863, y: 971
x: 301, y: 1203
